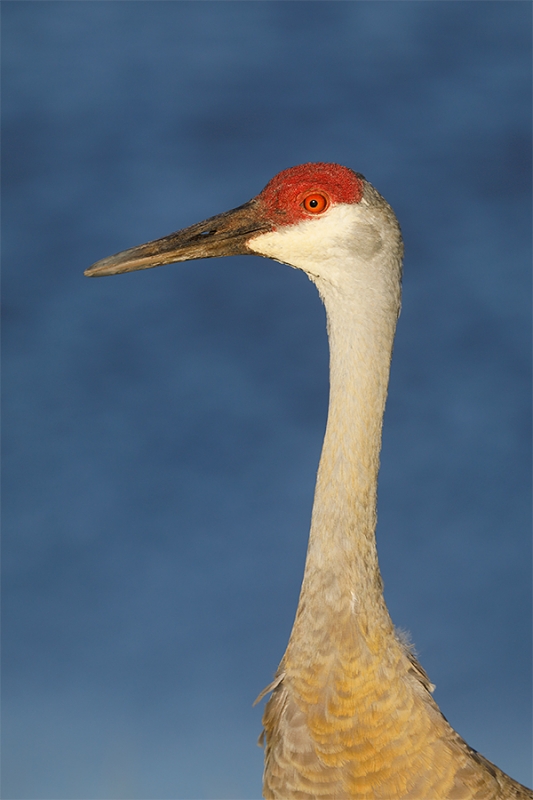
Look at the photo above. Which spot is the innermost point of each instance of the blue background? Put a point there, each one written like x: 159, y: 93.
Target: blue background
x: 162, y: 429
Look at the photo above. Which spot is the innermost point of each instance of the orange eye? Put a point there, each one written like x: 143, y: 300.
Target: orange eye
x: 316, y: 203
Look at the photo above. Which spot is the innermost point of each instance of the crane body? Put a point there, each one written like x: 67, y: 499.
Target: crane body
x: 350, y: 714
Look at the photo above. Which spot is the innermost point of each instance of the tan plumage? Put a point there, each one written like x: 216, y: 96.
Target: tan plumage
x: 351, y: 713
x: 360, y: 728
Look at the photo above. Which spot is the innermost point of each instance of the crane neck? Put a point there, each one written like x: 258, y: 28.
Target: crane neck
x: 342, y: 579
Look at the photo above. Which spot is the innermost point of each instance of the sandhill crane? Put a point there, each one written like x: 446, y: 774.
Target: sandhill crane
x: 351, y: 713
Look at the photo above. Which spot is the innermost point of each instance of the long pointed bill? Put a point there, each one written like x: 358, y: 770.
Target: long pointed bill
x: 226, y: 234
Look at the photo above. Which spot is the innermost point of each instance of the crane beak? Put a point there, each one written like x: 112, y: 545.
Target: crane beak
x: 226, y: 234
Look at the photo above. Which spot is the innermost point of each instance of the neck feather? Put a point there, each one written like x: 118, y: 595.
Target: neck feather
x: 342, y: 579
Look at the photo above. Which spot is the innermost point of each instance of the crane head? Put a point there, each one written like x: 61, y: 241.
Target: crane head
x: 294, y: 199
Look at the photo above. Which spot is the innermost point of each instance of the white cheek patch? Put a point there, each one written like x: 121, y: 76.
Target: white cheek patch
x: 309, y: 242
x: 335, y: 247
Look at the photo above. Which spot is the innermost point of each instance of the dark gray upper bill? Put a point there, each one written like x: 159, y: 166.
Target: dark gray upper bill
x: 223, y: 235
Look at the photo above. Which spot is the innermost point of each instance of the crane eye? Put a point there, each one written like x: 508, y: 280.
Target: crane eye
x: 316, y: 202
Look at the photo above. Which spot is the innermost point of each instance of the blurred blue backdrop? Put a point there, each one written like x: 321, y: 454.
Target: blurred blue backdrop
x: 162, y: 429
